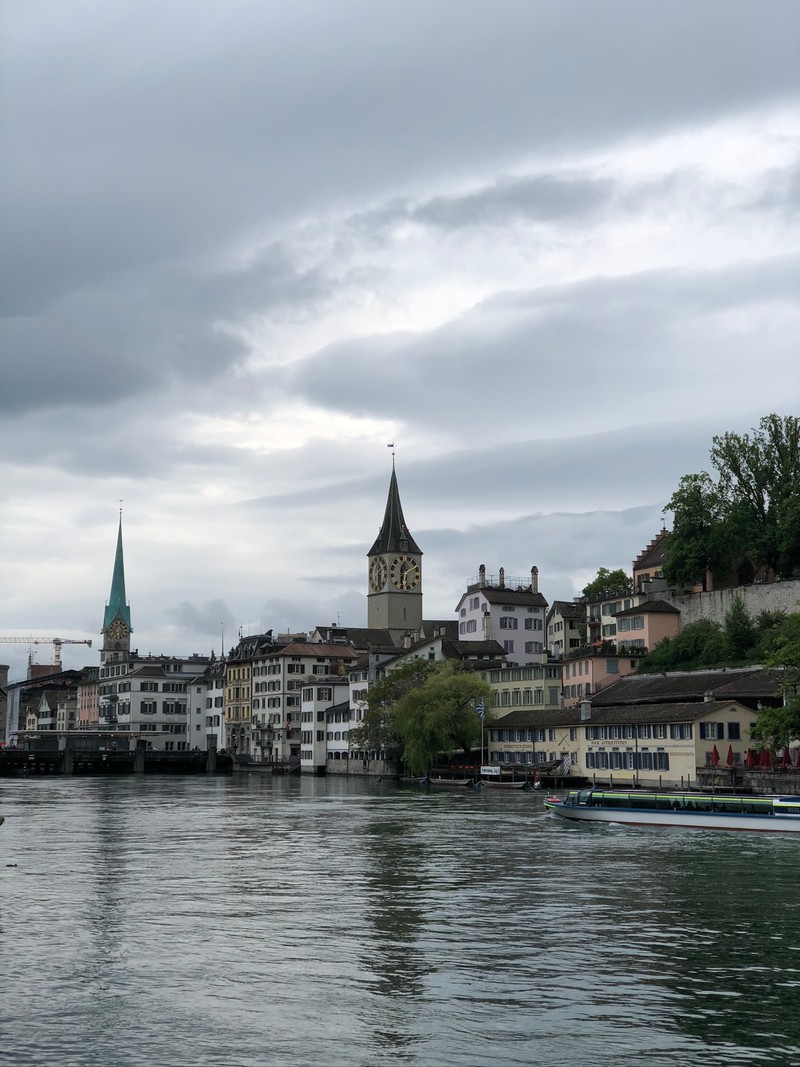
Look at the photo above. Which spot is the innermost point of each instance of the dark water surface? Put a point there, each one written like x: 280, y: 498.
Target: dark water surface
x: 248, y: 921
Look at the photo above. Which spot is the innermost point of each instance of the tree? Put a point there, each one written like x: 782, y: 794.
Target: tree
x: 608, y: 584
x: 740, y: 633
x: 439, y: 715
x: 776, y: 727
x: 759, y: 479
x: 701, y: 539
x: 377, y: 730
x: 752, y: 510
x: 700, y: 644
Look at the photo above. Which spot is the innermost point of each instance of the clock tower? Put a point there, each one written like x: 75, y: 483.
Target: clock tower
x: 117, y: 628
x: 394, y: 600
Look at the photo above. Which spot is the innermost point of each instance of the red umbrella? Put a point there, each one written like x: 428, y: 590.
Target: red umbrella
x: 786, y: 758
x: 714, y: 756
x: 750, y: 759
x: 766, y: 759
x: 729, y: 760
x: 797, y: 764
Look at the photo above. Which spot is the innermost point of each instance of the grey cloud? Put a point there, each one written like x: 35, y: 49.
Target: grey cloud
x: 621, y: 332
x: 208, y: 619
x: 194, y: 128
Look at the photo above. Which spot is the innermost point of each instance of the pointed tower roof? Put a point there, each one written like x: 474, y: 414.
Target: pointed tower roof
x: 117, y: 604
x: 394, y: 535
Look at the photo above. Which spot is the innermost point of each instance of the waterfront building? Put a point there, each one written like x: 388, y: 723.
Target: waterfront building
x: 88, y: 697
x: 536, y: 739
x: 324, y: 721
x: 510, y: 611
x: 242, y: 732
x: 663, y: 744
x: 394, y: 597
x: 29, y: 716
x: 279, y: 677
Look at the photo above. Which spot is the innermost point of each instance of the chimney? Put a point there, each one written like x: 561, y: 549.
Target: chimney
x: 534, y: 579
x: 586, y: 710
x: 502, y: 581
x: 482, y: 575
x: 407, y: 639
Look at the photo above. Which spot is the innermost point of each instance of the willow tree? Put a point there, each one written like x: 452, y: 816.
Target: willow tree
x: 439, y: 716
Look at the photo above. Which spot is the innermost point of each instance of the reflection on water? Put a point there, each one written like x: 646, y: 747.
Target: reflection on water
x: 248, y: 921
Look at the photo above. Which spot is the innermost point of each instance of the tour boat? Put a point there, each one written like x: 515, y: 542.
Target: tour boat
x: 701, y: 811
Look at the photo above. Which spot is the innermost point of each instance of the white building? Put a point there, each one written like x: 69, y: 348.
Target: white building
x: 510, y: 611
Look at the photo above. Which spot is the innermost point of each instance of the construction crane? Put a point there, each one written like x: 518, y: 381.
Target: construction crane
x: 56, y: 642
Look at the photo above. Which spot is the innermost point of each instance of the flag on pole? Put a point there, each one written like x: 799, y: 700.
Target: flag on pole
x: 480, y: 708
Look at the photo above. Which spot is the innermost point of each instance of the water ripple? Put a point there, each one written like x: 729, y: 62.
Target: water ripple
x: 253, y: 921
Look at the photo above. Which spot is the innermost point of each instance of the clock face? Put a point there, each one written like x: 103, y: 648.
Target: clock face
x: 117, y: 629
x: 404, y: 572
x: 377, y: 574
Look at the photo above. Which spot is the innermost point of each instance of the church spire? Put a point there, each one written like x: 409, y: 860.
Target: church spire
x: 393, y: 535
x: 117, y: 604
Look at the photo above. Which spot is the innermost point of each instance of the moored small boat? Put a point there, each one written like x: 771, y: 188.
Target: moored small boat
x: 499, y: 783
x: 450, y: 783
x: 699, y: 811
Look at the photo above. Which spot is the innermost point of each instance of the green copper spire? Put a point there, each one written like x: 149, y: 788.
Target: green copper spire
x: 117, y: 604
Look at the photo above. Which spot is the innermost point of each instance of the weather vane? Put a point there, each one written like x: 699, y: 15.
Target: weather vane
x: 391, y: 445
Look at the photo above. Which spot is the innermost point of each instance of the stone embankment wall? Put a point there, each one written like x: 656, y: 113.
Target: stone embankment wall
x: 356, y: 768
x: 763, y: 596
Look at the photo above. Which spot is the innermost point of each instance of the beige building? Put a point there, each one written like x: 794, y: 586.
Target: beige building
x: 640, y: 744
x: 662, y: 744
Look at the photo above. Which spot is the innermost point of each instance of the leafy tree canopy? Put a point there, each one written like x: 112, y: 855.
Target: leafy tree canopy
x: 751, y: 510
x: 701, y: 540
x: 608, y: 584
x: 700, y: 644
x: 776, y: 727
x: 377, y: 730
x: 438, y: 715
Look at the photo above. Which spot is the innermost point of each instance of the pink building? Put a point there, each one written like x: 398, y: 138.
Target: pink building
x: 644, y: 626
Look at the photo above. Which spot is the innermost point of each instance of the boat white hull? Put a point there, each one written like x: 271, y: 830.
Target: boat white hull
x: 697, y: 820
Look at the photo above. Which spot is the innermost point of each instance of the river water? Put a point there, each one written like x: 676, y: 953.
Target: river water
x: 337, y: 923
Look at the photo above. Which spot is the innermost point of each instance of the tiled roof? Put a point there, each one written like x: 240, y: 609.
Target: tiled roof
x: 661, y: 688
x: 360, y: 637
x: 653, y: 607
x: 522, y: 598
x: 655, y: 553
x: 307, y: 648
x: 660, y: 713
x: 568, y: 609
x: 546, y: 717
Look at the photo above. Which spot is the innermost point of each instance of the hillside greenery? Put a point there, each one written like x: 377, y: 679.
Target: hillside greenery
x: 751, y: 511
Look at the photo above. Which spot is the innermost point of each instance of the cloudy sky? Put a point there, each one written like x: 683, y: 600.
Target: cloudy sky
x: 546, y: 248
